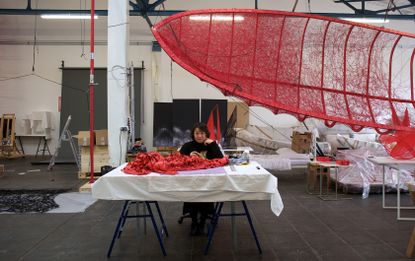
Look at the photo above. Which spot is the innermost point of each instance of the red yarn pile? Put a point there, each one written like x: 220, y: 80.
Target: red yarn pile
x: 145, y: 163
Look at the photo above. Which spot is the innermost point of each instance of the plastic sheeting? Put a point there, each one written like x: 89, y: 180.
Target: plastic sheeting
x: 363, y: 174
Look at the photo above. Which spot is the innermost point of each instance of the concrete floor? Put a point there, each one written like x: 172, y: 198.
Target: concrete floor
x: 308, y: 228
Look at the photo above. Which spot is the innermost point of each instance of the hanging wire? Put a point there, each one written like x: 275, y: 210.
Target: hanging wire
x: 295, y: 6
x: 34, y: 41
x: 43, y: 78
x: 118, y: 80
x: 388, y: 8
x: 159, y: 16
x: 83, y: 30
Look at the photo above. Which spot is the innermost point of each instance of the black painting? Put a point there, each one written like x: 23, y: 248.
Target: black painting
x: 163, y: 124
x: 185, y: 115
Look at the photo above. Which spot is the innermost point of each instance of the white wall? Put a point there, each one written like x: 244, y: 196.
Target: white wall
x: 24, y: 95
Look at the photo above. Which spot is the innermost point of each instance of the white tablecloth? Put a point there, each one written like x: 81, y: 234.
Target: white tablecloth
x: 246, y: 182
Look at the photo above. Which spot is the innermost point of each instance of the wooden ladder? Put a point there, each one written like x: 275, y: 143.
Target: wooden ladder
x: 8, y: 148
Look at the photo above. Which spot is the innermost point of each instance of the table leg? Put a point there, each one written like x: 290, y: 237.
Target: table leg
x: 383, y: 186
x: 321, y: 180
x: 45, y: 147
x: 336, y: 170
x: 336, y: 195
x: 234, y: 233
x: 38, y: 146
x: 21, y: 145
x: 398, y: 203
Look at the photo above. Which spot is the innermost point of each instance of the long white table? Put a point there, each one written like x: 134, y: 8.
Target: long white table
x: 397, y: 165
x: 246, y: 182
x: 239, y: 183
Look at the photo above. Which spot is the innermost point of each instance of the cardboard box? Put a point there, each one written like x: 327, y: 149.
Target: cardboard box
x: 301, y: 142
x: 101, y: 137
x: 83, y: 138
x: 101, y: 158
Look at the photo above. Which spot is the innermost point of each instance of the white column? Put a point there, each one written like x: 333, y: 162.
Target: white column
x: 118, y: 42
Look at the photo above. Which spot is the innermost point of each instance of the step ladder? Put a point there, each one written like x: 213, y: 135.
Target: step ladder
x: 66, y: 136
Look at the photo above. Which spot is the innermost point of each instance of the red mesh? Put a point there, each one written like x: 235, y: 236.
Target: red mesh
x: 303, y: 64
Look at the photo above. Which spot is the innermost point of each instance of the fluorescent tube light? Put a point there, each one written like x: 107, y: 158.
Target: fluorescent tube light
x: 367, y: 20
x: 216, y: 18
x: 67, y: 16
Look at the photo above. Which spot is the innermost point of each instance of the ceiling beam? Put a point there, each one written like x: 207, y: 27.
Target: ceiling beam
x: 97, y: 12
x: 171, y: 12
x: 395, y: 8
x: 363, y: 9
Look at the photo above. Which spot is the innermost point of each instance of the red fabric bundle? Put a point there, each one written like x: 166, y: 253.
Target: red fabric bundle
x: 145, y: 163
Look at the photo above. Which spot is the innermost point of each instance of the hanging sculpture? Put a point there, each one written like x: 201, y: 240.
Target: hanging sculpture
x: 303, y: 64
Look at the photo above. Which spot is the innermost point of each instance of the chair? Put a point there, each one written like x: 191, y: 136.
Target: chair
x: 209, y: 217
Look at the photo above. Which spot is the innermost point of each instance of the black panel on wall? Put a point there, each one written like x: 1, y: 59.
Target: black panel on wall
x: 75, y: 102
x: 185, y: 115
x: 210, y: 107
x: 163, y: 124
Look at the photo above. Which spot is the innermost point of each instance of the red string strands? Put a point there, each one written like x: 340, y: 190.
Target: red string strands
x: 145, y: 163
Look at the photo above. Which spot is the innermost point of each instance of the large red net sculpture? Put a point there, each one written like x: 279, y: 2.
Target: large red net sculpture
x: 303, y: 64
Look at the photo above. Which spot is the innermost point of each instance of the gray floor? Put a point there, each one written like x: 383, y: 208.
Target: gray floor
x: 308, y: 228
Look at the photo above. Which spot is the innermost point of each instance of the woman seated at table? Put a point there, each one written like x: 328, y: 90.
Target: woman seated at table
x: 200, y: 146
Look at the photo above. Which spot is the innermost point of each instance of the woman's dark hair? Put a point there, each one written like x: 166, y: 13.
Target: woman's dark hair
x: 201, y: 126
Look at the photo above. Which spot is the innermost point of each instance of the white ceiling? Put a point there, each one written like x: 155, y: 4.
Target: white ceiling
x: 22, y: 28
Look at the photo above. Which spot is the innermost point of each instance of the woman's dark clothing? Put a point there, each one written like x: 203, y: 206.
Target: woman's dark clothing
x: 201, y: 209
x: 212, y: 149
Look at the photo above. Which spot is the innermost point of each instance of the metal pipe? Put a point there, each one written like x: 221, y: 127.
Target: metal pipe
x: 91, y: 93
x: 171, y: 12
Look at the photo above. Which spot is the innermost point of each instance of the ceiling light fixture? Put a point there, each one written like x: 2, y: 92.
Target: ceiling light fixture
x: 67, y: 16
x: 216, y: 18
x: 367, y: 20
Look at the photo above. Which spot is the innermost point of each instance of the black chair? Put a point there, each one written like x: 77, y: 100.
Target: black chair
x: 209, y: 217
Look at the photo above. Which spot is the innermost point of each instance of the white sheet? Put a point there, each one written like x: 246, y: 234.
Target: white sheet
x: 273, y: 162
x: 247, y: 182
x: 286, y: 159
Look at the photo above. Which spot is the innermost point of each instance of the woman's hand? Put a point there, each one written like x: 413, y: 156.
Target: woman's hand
x: 208, y: 141
x: 195, y: 153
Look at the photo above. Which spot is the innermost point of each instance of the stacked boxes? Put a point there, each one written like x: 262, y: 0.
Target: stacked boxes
x: 301, y: 142
x: 101, y: 154
x: 100, y: 138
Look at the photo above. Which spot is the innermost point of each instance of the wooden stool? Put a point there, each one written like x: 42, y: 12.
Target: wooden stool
x: 313, y: 172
